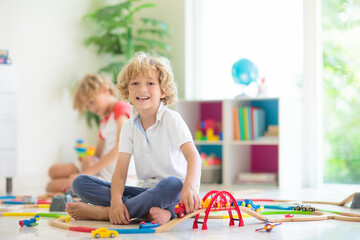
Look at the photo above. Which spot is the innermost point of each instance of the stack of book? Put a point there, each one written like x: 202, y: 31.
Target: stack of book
x: 272, y: 131
x: 247, y: 178
x: 249, y: 123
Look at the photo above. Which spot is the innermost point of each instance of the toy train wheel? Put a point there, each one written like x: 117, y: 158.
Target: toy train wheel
x: 311, y: 209
x: 97, y: 235
x: 112, y: 235
x: 21, y: 223
x: 181, y: 215
x: 304, y: 209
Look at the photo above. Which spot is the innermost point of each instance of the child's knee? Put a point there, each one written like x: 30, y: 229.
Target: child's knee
x: 79, y: 182
x: 171, y: 185
x: 53, y: 171
x: 49, y: 187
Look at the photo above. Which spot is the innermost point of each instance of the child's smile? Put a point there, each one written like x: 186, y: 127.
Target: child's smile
x: 145, y: 92
x: 142, y: 99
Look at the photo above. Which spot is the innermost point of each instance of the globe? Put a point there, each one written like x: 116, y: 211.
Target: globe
x: 244, y: 72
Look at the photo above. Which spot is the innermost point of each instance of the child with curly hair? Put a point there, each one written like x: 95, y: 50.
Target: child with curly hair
x: 99, y: 96
x: 167, y: 162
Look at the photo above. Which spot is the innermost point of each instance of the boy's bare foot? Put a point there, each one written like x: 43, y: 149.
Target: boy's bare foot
x: 84, y: 211
x: 160, y: 216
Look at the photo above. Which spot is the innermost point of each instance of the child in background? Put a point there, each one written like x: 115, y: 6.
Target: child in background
x: 166, y: 159
x: 99, y: 96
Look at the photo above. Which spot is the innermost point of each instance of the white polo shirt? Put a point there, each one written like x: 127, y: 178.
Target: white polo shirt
x: 156, y: 151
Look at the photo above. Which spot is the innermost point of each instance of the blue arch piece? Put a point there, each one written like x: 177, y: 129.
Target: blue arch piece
x: 134, y: 230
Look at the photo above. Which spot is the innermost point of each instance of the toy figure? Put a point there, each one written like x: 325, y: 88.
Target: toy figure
x: 268, y: 226
x: 29, y: 222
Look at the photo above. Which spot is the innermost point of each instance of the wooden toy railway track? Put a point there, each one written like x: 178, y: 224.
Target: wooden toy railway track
x: 214, y: 196
x: 341, y: 203
x: 316, y: 216
x: 163, y: 228
x: 176, y: 221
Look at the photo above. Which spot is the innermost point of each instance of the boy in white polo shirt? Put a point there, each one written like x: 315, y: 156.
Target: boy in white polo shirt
x: 167, y: 162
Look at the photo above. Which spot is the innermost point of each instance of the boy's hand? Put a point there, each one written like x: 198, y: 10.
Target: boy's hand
x: 190, y: 197
x: 118, y: 213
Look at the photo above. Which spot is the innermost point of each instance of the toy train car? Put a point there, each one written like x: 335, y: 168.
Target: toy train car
x: 304, y: 208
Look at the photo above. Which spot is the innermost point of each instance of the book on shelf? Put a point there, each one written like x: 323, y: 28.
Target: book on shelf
x: 249, y: 124
x: 241, y: 123
x: 236, y: 124
x: 246, y: 123
x: 252, y: 121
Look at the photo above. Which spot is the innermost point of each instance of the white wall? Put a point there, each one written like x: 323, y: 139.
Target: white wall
x: 45, y: 43
x: 173, y: 13
x: 45, y: 40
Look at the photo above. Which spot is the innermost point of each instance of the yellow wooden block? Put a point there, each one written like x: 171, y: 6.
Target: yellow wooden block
x: 19, y: 214
x: 43, y: 205
x: 66, y: 218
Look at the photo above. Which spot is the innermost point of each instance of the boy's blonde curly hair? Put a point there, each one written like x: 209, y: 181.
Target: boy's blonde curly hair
x: 140, y: 65
x: 88, y: 88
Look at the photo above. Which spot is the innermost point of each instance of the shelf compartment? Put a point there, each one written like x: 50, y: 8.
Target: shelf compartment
x: 208, y: 142
x: 272, y: 141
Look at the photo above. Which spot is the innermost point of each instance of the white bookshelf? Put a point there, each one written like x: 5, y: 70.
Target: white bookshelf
x: 8, y: 124
x: 241, y: 156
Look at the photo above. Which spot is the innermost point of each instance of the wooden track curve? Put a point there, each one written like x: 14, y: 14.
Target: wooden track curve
x: 341, y: 203
x: 321, y: 216
x: 176, y: 221
x: 163, y: 228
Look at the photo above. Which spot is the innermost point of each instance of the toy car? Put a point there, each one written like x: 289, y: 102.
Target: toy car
x: 304, y: 208
x: 151, y: 224
x: 180, y: 210
x: 250, y: 204
x: 104, y: 232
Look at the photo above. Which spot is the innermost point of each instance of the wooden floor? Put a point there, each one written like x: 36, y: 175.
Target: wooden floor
x: 217, y: 229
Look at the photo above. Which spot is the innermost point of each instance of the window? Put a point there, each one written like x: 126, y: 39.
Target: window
x: 341, y: 86
x: 269, y: 33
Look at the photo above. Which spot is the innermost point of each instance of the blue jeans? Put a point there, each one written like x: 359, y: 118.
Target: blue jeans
x: 138, y: 201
